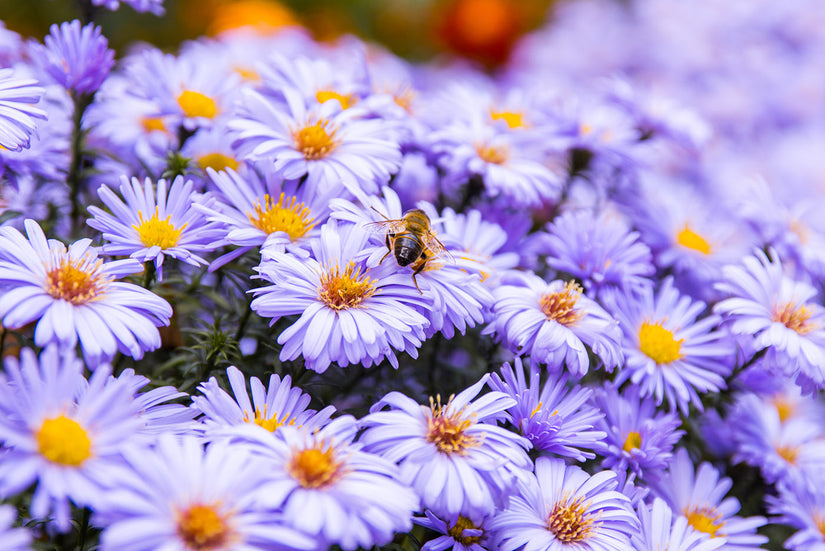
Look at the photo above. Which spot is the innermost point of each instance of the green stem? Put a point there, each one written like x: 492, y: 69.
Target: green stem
x: 88, y: 11
x: 148, y: 275
x: 75, y: 177
x: 84, y: 528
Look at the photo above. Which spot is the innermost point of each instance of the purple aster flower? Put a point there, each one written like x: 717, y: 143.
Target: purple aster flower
x: 349, y: 313
x: 552, y: 322
x: 77, y: 58
x: 264, y: 212
x: 61, y: 432
x: 455, y: 298
x: 280, y: 404
x: 564, y: 508
x: 152, y: 6
x: 151, y: 225
x: 73, y: 296
x: 14, y: 539
x: 669, y: 354
x: 329, y: 145
x: 330, y: 488
x: 458, y: 461
x: 638, y: 436
x: 17, y: 113
x: 554, y: 418
x: 509, y: 164
x: 778, y: 447
x: 458, y: 533
x: 699, y: 495
x: 800, y: 503
x: 780, y: 315
x: 177, y: 495
x: 598, y: 250
x: 661, y: 531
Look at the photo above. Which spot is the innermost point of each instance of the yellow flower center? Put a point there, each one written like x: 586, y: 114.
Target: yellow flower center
x: 203, y: 528
x: 263, y: 420
x: 315, y: 141
x: 287, y: 215
x: 514, y: 119
x: 632, y: 442
x: 784, y: 408
x: 346, y: 101
x: 62, y: 440
x: 345, y: 290
x: 569, y: 521
x: 456, y: 531
x: 217, y: 162
x: 704, y: 519
x: 492, y: 154
x: 153, y: 124
x: 658, y: 344
x: 315, y: 467
x: 692, y: 240
x: 156, y: 232
x: 248, y: 74
x: 819, y: 521
x: 76, y: 281
x: 788, y: 453
x: 195, y: 104
x: 795, y: 319
x: 448, y: 431
x: 404, y: 98
x: 561, y: 305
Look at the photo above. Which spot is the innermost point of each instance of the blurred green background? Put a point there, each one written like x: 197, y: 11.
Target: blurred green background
x: 483, y: 30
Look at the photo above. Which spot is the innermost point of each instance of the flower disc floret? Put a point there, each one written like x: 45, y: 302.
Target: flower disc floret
x: 345, y: 290
x: 157, y: 232
x: 316, y: 140
x: 77, y: 281
x: 64, y: 441
x: 569, y: 520
x: 286, y: 215
x: 692, y: 240
x: 448, y: 430
x: 196, y: 104
x: 201, y: 527
x: 704, y: 518
x: 315, y: 467
x: 560, y: 306
x: 658, y: 343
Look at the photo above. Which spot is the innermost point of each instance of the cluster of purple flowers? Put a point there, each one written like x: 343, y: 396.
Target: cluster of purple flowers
x: 559, y: 307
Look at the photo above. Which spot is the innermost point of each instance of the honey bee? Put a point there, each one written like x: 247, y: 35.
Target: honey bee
x: 411, y: 239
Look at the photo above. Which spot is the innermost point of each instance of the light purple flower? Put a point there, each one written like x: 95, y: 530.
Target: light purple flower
x: 17, y: 112
x: 73, y: 296
x: 453, y: 456
x: 77, y: 58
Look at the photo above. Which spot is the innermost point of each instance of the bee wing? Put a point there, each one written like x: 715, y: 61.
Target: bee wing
x: 436, y: 247
x: 386, y: 226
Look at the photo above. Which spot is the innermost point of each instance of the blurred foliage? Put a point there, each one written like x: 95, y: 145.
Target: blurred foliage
x: 483, y: 30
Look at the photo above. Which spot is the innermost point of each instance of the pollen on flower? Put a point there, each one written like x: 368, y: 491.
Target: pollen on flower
x: 514, y: 119
x: 78, y: 281
x: 784, y: 408
x: 658, y: 343
x: 62, y: 440
x: 270, y: 423
x: 448, y: 430
x: 345, y: 290
x: 795, y: 319
x: 561, y: 305
x: 203, y: 528
x: 456, y: 531
x: 704, y: 519
x: 217, y: 162
x: 155, y: 232
x: 195, y: 104
x: 492, y: 154
x: 692, y: 240
x: 315, y: 141
x: 633, y: 441
x: 346, y: 101
x: 315, y: 467
x: 569, y: 521
x: 287, y: 215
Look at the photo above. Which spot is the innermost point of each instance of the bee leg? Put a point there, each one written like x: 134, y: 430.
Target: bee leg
x: 389, y: 248
x: 418, y: 268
